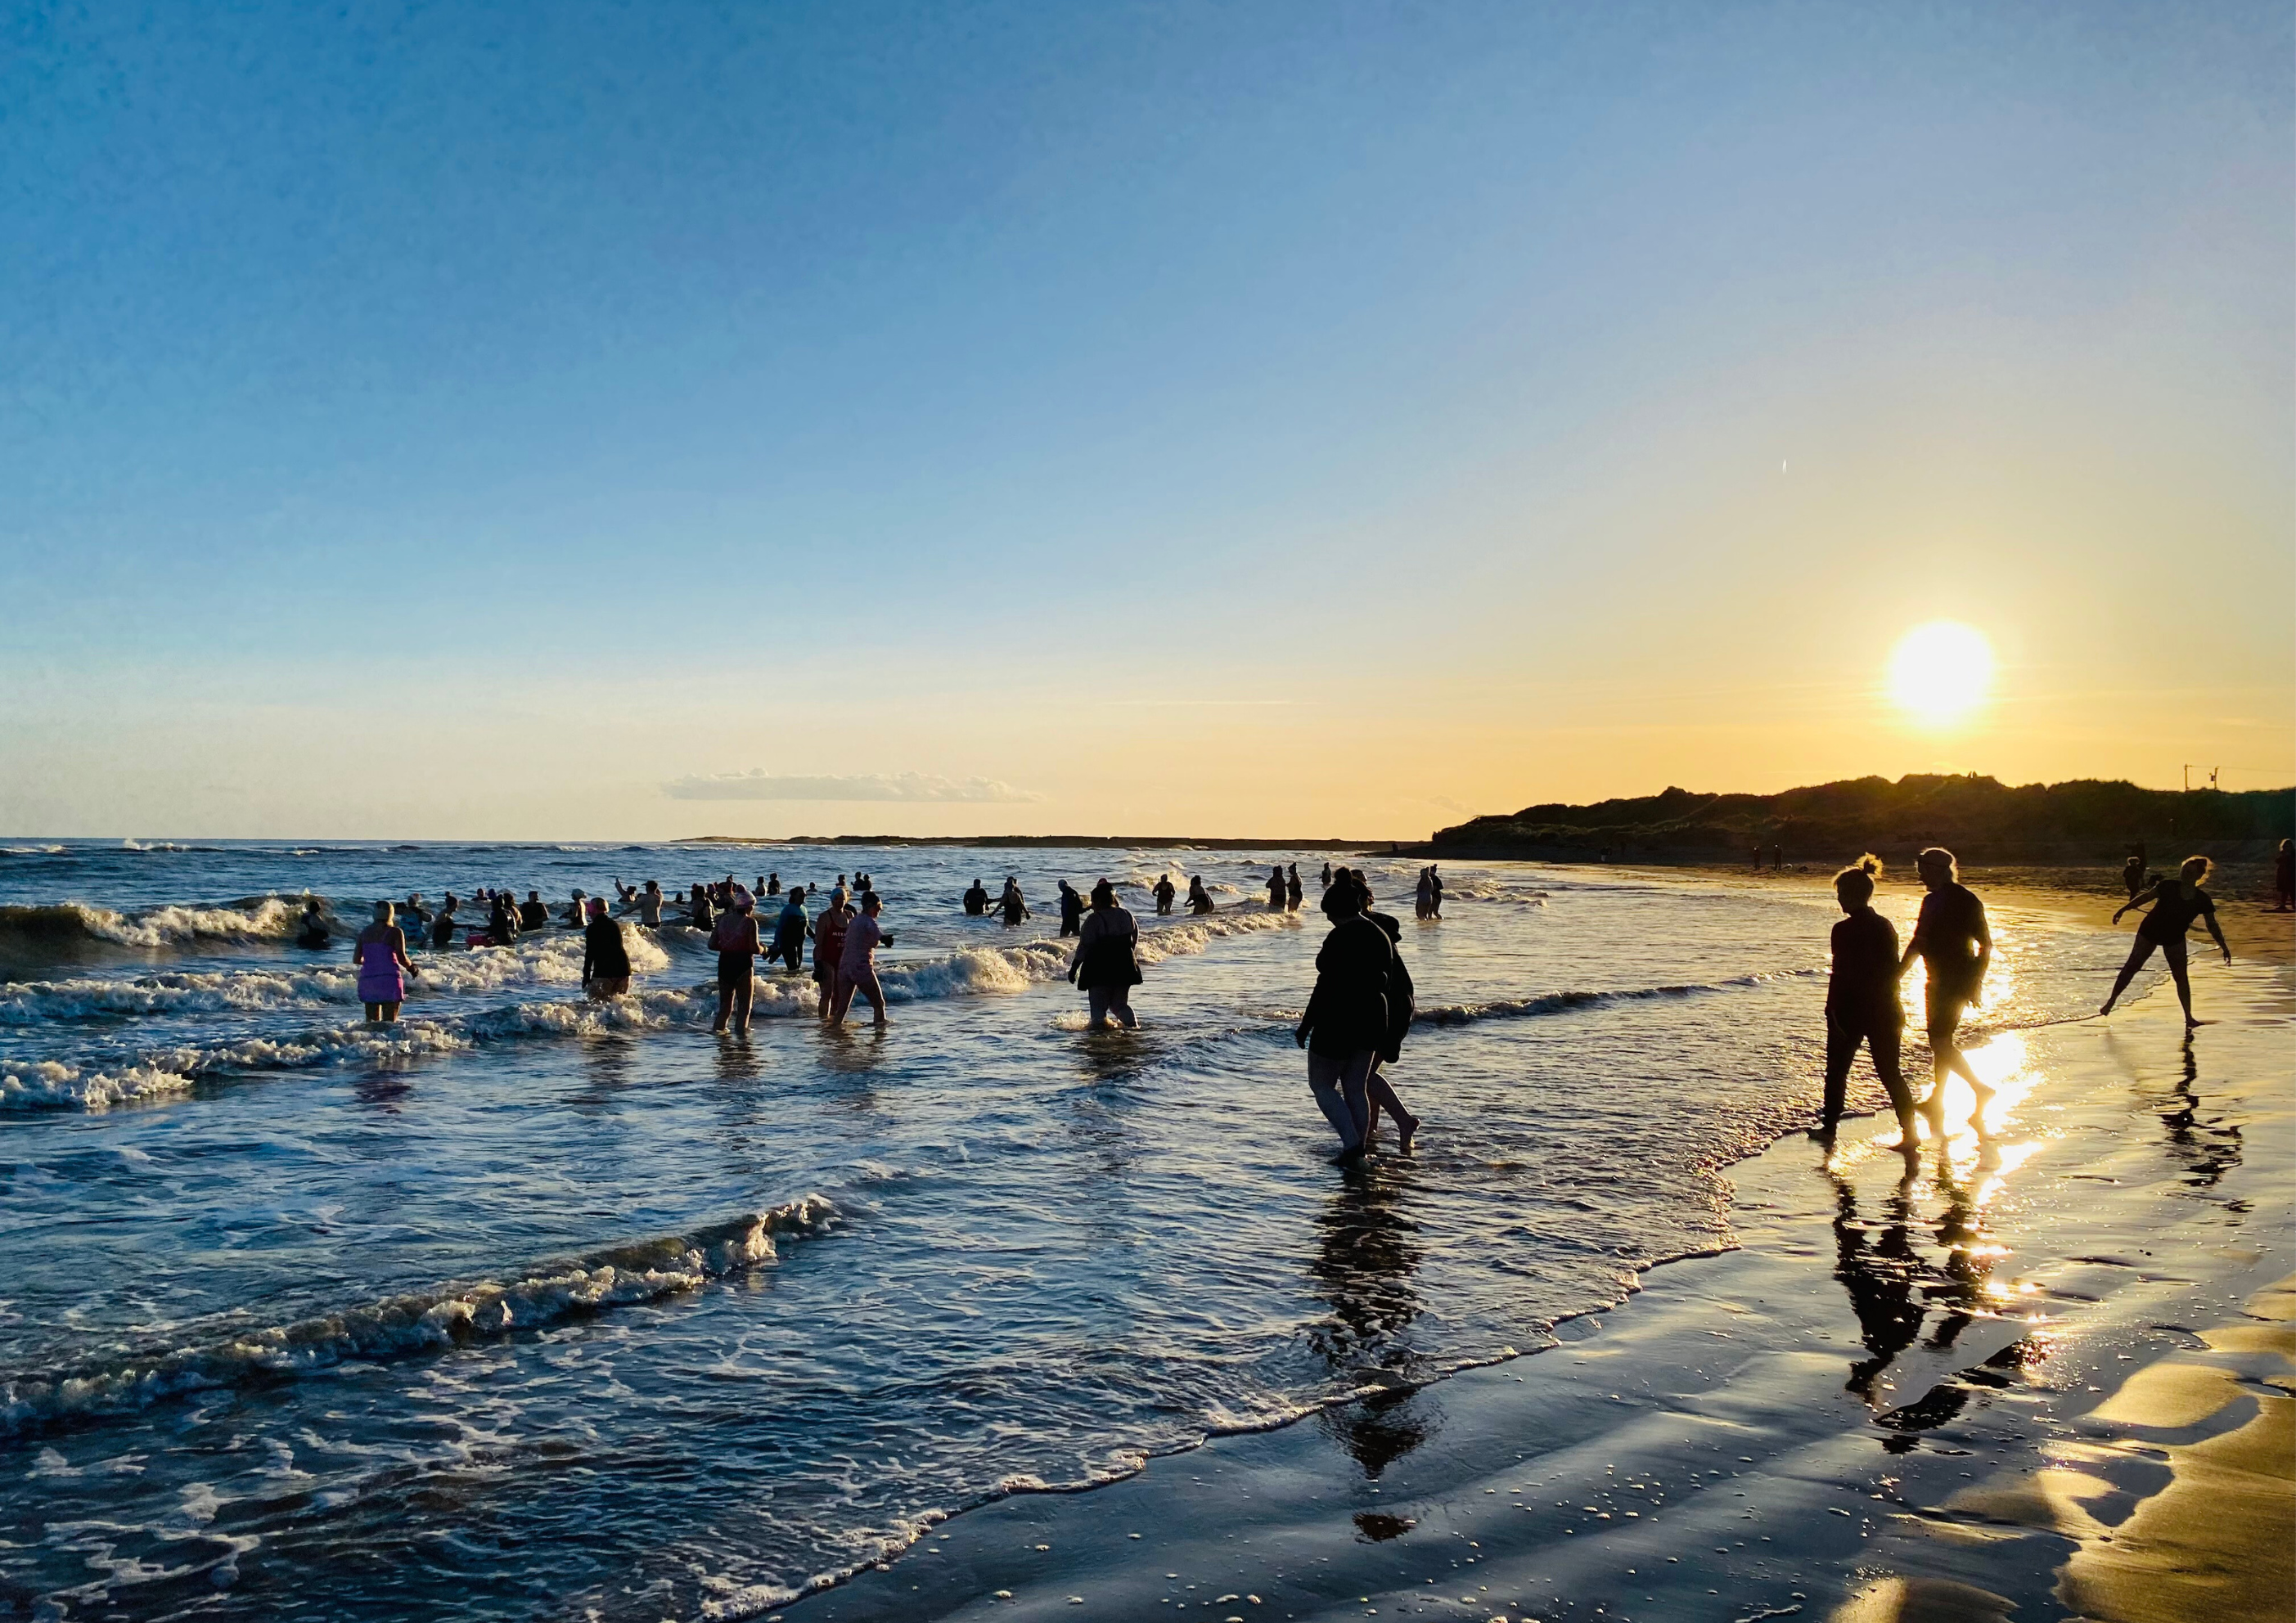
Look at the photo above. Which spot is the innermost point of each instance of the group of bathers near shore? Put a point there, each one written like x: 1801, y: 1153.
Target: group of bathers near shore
x: 1955, y: 943
x: 1362, y: 1001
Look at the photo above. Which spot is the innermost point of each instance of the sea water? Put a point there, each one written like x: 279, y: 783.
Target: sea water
x: 528, y: 1307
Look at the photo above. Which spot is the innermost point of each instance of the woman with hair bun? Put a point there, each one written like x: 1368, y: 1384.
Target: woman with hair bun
x: 1862, y: 1004
x: 2177, y: 903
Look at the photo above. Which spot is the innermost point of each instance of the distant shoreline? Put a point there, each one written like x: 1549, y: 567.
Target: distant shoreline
x: 1087, y: 841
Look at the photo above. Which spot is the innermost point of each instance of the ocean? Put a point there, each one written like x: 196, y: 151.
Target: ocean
x: 529, y: 1307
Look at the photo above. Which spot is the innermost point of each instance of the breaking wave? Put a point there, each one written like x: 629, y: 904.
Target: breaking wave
x: 261, y: 919
x: 406, y: 1326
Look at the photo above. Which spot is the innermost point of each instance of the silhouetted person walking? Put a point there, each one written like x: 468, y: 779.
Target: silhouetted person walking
x: 2177, y: 903
x: 1198, y: 899
x: 1072, y: 909
x: 2284, y: 878
x: 1164, y: 893
x: 1862, y: 1004
x: 1955, y: 945
x: 1346, y: 1022
x: 1292, y: 888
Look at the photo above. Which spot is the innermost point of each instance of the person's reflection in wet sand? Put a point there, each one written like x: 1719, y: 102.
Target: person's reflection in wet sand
x: 1879, y: 1276
x: 1363, y: 1267
x: 1968, y: 1247
x: 2207, y: 1149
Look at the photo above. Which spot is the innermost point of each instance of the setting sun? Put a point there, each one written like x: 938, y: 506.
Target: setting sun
x: 1941, y: 672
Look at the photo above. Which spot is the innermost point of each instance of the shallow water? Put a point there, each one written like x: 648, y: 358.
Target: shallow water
x: 531, y: 1308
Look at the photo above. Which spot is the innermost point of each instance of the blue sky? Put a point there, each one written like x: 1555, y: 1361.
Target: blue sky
x: 1243, y: 418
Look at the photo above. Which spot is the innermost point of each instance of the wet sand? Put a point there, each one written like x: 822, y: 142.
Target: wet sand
x: 2051, y: 1374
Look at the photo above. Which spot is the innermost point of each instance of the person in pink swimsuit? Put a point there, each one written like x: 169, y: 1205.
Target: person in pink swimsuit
x: 383, y: 966
x: 856, y: 971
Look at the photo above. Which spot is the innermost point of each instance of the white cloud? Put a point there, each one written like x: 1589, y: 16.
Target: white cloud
x: 762, y: 785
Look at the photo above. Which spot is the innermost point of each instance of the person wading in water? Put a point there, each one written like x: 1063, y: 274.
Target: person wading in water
x: 1106, y: 966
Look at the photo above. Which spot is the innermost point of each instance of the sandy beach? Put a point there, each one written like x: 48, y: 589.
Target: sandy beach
x: 2052, y: 1375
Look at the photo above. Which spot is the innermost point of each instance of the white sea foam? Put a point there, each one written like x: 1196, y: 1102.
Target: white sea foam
x: 268, y: 919
x: 157, y: 1073
x: 412, y: 1325
x: 546, y: 961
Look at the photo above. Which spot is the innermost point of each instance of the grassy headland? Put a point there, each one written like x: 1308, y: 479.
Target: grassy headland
x: 2085, y: 823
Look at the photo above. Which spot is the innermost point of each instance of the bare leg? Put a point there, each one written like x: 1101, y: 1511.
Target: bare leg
x: 1382, y: 1094
x: 743, y: 996
x: 2139, y: 952
x: 2179, y: 971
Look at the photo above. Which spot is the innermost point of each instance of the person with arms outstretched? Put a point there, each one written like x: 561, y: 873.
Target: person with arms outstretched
x: 2177, y: 903
x: 1955, y: 945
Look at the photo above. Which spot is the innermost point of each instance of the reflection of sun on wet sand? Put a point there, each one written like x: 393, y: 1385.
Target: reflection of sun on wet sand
x: 2048, y: 1371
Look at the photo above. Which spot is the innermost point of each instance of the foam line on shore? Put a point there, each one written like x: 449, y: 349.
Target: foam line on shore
x: 410, y: 1325
x: 1570, y: 1002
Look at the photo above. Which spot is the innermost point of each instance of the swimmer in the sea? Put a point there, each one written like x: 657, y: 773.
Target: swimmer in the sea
x: 314, y: 932
x: 734, y: 939
x: 442, y: 928
x: 1291, y: 890
x: 789, y: 932
x: 856, y: 968
x: 534, y: 913
x: 1010, y: 904
x: 1072, y: 909
x: 1199, y: 900
x: 1164, y: 893
x: 383, y: 966
x: 605, y: 955
x: 976, y: 901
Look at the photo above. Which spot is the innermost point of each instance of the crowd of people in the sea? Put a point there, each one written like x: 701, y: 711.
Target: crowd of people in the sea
x: 1361, y: 1007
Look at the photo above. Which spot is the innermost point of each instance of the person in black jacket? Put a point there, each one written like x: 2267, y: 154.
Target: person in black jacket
x: 1401, y: 1004
x: 605, y: 959
x: 1346, y: 1021
x: 1862, y: 1005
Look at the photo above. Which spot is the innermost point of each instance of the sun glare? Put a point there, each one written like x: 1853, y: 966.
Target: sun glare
x: 1941, y: 672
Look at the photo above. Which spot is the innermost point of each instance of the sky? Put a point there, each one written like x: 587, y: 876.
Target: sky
x: 625, y: 421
